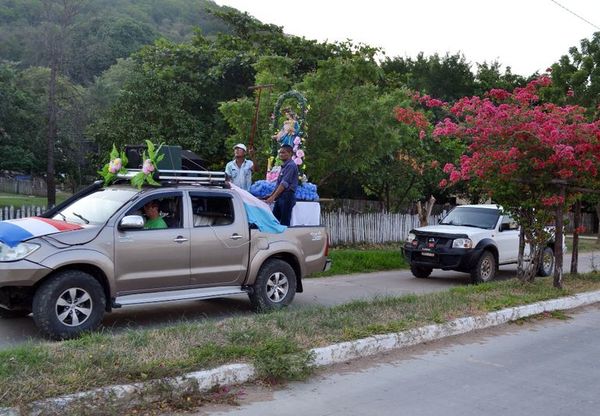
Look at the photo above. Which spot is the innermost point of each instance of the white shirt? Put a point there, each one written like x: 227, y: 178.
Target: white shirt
x: 240, y: 176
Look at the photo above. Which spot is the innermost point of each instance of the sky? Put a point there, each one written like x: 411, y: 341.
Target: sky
x: 527, y: 35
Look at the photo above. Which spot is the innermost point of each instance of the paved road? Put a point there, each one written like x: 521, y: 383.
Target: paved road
x: 548, y: 367
x: 326, y: 291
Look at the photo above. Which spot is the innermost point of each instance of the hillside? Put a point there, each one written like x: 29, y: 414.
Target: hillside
x: 102, y: 30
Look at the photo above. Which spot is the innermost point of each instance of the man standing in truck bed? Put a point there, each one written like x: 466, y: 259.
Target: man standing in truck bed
x: 284, y: 194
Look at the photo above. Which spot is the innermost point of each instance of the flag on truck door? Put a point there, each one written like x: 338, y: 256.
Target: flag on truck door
x: 259, y: 213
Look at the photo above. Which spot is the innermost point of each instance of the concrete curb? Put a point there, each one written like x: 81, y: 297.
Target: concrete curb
x: 337, y: 353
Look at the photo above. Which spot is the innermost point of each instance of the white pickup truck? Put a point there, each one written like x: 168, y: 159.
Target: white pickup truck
x: 472, y: 238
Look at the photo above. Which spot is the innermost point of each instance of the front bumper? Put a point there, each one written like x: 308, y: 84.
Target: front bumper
x: 442, y: 258
x: 21, y: 273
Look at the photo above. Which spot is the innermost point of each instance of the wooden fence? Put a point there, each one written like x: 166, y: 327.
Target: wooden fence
x: 34, y: 186
x: 11, y: 213
x: 345, y: 228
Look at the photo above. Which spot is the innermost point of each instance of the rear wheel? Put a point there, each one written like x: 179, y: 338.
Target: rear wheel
x: 420, y: 272
x: 275, y: 286
x: 547, y: 264
x: 485, y: 269
x: 68, y: 304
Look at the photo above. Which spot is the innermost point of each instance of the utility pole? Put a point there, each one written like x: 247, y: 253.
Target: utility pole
x: 255, y: 120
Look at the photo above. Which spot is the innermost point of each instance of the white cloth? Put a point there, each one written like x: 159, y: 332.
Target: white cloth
x: 306, y: 213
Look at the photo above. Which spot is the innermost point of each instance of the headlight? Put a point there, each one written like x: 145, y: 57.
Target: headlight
x: 18, y: 252
x: 410, y: 237
x: 462, y: 243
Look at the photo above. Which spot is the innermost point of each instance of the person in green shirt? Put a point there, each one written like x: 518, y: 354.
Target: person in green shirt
x: 154, y: 221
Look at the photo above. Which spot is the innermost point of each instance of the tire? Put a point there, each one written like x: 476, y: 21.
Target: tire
x: 547, y: 264
x: 68, y: 304
x: 275, y: 286
x: 13, y: 313
x: 420, y: 272
x: 485, y: 269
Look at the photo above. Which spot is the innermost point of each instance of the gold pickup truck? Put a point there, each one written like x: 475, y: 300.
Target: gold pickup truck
x: 94, y: 253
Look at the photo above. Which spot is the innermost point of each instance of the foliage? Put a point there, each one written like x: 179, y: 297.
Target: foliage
x: 104, y: 31
x: 116, y: 165
x: 521, y: 151
x: 151, y: 157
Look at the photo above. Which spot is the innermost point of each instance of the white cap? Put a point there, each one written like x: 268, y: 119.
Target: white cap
x: 241, y: 146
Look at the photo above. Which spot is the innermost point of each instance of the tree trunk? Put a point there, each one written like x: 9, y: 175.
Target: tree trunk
x: 425, y: 212
x: 51, y: 136
x: 520, y: 270
x: 598, y: 215
x: 558, y: 250
x: 576, y: 224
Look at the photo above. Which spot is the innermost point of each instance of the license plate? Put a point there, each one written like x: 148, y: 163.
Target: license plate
x: 424, y: 253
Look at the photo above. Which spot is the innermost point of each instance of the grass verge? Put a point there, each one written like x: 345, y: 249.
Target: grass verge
x: 586, y: 245
x: 19, y: 200
x: 364, y: 259
x: 277, y: 343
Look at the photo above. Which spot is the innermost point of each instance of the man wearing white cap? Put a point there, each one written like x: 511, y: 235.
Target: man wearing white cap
x: 239, y: 170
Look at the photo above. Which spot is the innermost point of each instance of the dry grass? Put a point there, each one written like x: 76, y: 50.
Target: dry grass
x: 277, y: 343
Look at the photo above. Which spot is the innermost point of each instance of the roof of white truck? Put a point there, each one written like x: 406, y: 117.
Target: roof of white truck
x: 484, y: 206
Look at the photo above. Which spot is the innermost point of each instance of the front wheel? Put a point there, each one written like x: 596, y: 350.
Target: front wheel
x: 485, y: 269
x: 68, y: 304
x: 547, y: 264
x: 420, y: 271
x: 275, y: 286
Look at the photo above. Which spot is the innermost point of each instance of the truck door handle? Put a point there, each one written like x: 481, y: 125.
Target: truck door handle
x: 236, y: 236
x: 180, y: 239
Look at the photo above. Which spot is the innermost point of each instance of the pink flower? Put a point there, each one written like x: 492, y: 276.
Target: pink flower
x: 448, y: 167
x: 454, y: 176
x: 570, y: 92
x: 297, y: 140
x: 443, y: 183
x: 434, y: 164
x: 148, y: 167
x: 300, y: 153
x: 421, y: 134
x: 115, y: 165
x: 298, y: 161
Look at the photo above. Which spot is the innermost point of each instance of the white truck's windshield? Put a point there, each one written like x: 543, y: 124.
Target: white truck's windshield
x: 95, y: 208
x: 472, y: 217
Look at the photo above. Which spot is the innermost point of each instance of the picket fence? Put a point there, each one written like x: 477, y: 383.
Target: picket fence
x: 11, y: 213
x: 344, y: 228
x: 372, y: 228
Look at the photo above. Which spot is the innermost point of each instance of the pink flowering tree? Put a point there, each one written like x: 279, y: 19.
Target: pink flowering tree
x: 532, y: 158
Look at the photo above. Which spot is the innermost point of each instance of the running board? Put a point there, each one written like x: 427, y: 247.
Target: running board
x: 178, y: 295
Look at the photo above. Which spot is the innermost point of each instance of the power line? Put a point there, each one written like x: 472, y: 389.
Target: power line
x: 575, y: 14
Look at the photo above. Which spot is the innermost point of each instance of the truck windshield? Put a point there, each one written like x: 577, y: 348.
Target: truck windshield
x: 96, y: 208
x: 472, y: 217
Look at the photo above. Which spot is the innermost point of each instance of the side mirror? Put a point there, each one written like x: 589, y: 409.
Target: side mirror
x: 504, y: 226
x: 132, y: 222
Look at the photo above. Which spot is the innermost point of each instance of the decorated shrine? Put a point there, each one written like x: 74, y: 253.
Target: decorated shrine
x: 289, y: 126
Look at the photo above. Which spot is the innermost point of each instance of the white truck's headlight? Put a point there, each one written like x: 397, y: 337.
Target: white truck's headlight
x: 18, y: 252
x: 410, y: 238
x: 462, y: 243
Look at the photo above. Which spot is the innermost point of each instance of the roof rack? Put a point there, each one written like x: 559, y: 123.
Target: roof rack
x: 199, y: 177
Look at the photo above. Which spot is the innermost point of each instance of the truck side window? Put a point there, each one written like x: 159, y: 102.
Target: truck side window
x: 212, y: 210
x: 508, y: 223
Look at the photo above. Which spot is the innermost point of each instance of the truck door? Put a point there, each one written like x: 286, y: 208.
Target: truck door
x: 220, y: 240
x: 507, y: 240
x: 157, y: 258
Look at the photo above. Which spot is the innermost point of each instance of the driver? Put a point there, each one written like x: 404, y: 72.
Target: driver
x: 154, y: 221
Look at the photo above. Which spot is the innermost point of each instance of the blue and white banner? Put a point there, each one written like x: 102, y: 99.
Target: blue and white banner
x: 259, y: 213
